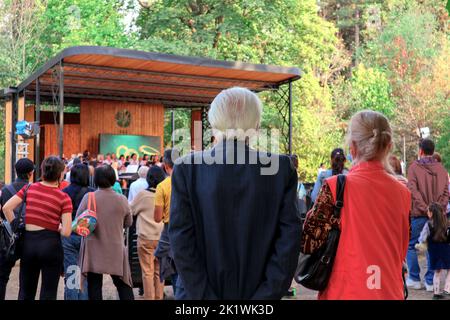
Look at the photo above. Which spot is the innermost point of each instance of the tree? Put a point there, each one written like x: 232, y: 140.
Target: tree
x: 19, y: 31
x: 282, y: 32
x: 443, y: 143
x: 32, y: 31
x: 413, y: 53
x: 83, y: 22
x: 368, y: 88
x: 352, y: 17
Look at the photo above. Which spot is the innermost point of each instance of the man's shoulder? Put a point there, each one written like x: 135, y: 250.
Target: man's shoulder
x: 441, y: 169
x: 166, y: 182
x: 163, y: 185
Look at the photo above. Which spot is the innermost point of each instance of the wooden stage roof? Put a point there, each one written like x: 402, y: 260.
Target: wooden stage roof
x: 130, y: 75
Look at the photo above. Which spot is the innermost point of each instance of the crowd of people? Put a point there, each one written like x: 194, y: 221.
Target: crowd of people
x: 50, y: 247
x: 223, y: 230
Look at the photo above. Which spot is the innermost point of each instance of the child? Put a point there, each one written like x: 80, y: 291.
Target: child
x: 435, y: 233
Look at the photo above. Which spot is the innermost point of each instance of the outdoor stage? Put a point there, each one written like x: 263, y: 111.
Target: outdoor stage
x: 126, y: 92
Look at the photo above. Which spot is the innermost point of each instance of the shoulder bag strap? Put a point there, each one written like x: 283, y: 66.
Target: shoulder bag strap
x: 92, y: 204
x: 340, y: 187
x: 24, y: 203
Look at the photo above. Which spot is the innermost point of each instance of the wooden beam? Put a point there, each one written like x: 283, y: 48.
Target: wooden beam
x: 8, y: 147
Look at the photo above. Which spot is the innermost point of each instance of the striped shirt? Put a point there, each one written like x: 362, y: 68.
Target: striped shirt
x: 45, y: 206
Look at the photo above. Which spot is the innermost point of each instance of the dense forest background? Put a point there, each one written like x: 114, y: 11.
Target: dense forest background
x: 391, y: 56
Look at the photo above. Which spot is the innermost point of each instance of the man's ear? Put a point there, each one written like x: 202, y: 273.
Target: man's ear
x: 421, y: 153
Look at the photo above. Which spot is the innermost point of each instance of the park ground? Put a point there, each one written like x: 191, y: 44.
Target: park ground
x: 110, y: 293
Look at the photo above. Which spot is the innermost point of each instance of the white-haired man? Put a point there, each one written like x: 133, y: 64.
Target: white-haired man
x: 139, y: 185
x: 234, y: 229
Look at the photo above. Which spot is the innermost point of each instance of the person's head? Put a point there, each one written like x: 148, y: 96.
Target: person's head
x: 370, y: 137
x: 168, y: 161
x: 86, y: 154
x: 294, y: 160
x: 104, y: 176
x: 79, y: 175
x: 395, y: 164
x: 76, y: 161
x: 142, y: 172
x: 145, y: 157
x: 439, y: 221
x: 235, y: 113
x: 134, y: 156
x: 437, y: 156
x: 426, y: 147
x: 24, y: 168
x: 337, y: 161
x: 100, y: 157
x: 127, y: 158
x: 113, y: 156
x: 122, y: 157
x: 155, y: 176
x: 156, y: 158
x: 52, y: 169
x: 108, y: 156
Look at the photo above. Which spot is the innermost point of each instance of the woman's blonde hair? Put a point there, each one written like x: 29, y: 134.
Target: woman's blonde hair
x: 371, y: 133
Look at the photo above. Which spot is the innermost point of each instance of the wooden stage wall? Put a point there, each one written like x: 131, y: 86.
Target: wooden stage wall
x: 71, y: 139
x: 98, y: 116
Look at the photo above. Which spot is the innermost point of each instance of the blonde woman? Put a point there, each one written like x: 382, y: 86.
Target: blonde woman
x: 374, y: 220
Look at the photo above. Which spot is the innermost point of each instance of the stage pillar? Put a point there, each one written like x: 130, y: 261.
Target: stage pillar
x: 196, y: 130
x: 8, y: 146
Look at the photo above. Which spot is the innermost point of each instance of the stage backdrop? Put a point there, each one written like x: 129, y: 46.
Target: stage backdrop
x: 119, y: 118
x: 129, y: 144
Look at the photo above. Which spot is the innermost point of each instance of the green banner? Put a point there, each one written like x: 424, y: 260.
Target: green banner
x: 129, y: 144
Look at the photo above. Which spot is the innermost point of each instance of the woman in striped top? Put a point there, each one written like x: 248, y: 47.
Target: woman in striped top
x: 48, y: 217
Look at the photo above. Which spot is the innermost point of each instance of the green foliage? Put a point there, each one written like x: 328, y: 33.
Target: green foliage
x: 316, y: 129
x: 413, y: 52
x: 275, y: 32
x: 443, y: 143
x: 182, y: 119
x: 370, y: 89
x: 83, y: 22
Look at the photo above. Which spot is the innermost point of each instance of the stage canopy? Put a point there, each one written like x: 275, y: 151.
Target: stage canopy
x: 102, y: 73
x: 122, y: 74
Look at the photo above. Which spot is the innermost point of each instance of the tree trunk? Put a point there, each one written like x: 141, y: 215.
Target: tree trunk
x: 356, y: 33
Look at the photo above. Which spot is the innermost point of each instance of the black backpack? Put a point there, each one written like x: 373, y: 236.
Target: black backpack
x: 11, y: 233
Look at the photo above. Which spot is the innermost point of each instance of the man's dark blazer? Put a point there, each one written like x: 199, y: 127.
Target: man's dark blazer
x: 234, y: 231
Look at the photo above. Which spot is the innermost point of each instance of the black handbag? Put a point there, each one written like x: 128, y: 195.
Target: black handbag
x: 314, y: 270
x: 11, y: 234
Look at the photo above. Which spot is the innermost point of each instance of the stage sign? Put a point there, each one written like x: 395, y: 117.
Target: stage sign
x: 129, y: 144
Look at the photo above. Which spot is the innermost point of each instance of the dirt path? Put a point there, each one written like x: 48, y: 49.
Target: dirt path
x: 109, y: 291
